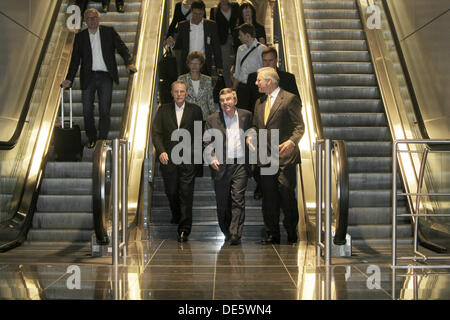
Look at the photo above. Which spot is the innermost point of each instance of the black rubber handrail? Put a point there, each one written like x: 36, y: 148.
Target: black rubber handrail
x: 101, y: 202
x: 342, y: 184
x: 7, y: 145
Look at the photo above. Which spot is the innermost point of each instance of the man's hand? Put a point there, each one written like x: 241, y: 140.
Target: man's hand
x: 215, y: 165
x: 170, y: 41
x: 131, y: 68
x: 66, y: 84
x: 286, y: 148
x: 164, y: 158
x: 250, y: 144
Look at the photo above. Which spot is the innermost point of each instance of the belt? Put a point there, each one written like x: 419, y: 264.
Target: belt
x: 100, y: 71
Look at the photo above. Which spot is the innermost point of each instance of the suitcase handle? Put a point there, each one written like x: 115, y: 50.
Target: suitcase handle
x: 62, y: 107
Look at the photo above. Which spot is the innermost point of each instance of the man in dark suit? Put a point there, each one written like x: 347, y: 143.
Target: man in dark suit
x: 178, y: 175
x: 95, y: 49
x: 228, y: 163
x: 278, y: 112
x: 198, y: 34
x: 287, y: 82
x: 105, y: 5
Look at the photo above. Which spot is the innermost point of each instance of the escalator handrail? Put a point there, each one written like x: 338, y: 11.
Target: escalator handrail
x: 342, y: 201
x: 17, y: 227
x: 7, y: 145
x: 100, y: 204
x: 136, y: 118
x: 318, y: 130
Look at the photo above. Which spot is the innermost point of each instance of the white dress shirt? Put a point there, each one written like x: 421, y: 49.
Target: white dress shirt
x: 179, y: 113
x: 197, y: 38
x: 273, y: 96
x: 234, y: 146
x: 251, y: 64
x: 98, y: 64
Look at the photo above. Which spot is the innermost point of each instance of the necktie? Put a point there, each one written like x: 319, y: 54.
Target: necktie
x: 267, y: 110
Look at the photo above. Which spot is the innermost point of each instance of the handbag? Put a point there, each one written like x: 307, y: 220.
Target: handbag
x: 220, y: 84
x: 168, y: 66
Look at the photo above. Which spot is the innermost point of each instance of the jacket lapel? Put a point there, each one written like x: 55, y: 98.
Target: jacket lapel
x: 172, y: 115
x: 276, y: 105
x: 186, y: 115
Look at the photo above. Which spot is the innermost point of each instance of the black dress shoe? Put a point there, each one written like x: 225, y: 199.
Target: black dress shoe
x: 105, y: 8
x: 235, y: 240
x: 91, y: 144
x: 292, y: 240
x: 292, y: 237
x: 120, y: 8
x: 270, y: 240
x: 182, y: 237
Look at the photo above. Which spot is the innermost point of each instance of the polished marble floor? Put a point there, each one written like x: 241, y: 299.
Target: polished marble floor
x: 164, y: 269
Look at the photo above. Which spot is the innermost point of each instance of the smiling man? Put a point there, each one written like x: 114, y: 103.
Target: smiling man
x: 179, y: 178
x: 230, y: 176
x: 278, y: 111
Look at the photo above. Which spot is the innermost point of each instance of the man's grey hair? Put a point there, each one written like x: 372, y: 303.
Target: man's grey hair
x: 269, y: 73
x: 93, y: 10
x: 179, y: 82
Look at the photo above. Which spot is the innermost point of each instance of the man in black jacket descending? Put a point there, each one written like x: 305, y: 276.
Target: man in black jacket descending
x: 95, y: 49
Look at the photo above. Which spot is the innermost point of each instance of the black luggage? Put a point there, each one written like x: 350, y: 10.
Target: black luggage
x: 67, y: 138
x: 168, y: 73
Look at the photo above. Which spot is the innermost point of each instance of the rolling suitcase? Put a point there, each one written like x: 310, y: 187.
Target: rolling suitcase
x: 67, y: 139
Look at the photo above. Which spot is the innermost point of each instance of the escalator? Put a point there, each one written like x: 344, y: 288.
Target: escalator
x: 204, y: 225
x: 64, y: 211
x: 351, y: 109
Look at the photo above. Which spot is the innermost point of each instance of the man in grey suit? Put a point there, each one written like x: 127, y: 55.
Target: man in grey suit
x: 278, y: 111
x: 227, y: 160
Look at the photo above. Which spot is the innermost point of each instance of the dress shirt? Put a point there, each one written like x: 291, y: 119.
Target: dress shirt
x: 273, y: 96
x: 234, y: 146
x: 98, y: 64
x: 251, y: 64
x: 196, y: 38
x: 179, y: 112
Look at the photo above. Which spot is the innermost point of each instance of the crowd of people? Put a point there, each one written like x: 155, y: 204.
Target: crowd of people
x: 255, y: 95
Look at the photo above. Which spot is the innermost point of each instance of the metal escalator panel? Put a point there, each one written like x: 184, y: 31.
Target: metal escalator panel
x: 352, y: 110
x: 64, y: 210
x: 405, y: 122
x: 21, y: 167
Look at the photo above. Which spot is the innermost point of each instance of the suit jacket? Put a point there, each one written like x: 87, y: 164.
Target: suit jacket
x: 285, y: 116
x: 287, y: 82
x: 217, y: 121
x: 211, y: 41
x: 178, y: 16
x: 224, y: 27
x: 165, y: 122
x: 204, y: 98
x: 82, y: 53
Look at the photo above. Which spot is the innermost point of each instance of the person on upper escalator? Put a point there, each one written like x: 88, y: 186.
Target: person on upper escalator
x: 105, y: 5
x: 94, y: 48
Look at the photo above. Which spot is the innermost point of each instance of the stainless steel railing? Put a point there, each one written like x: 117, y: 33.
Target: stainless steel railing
x: 416, y: 210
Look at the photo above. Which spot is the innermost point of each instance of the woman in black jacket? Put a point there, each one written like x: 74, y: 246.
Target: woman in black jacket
x: 226, y: 16
x: 247, y: 14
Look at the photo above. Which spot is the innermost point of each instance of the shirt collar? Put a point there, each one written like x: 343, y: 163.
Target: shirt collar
x: 179, y: 108
x: 253, y: 44
x: 274, y: 93
x: 196, y: 25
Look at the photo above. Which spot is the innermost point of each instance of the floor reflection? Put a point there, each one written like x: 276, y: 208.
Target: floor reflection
x: 214, y: 270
